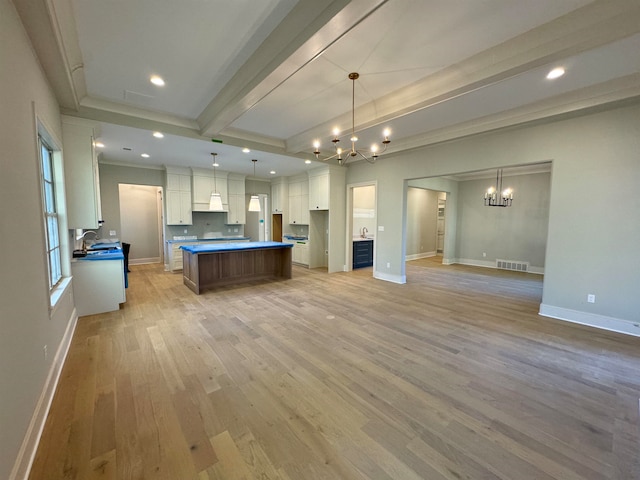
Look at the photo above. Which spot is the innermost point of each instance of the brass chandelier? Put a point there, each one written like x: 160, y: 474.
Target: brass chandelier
x: 343, y: 156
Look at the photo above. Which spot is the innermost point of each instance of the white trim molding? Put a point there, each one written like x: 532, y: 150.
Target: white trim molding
x: 27, y: 453
x: 417, y: 256
x: 387, y: 277
x: 590, y: 319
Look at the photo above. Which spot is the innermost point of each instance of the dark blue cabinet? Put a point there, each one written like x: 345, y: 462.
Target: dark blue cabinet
x: 362, y: 253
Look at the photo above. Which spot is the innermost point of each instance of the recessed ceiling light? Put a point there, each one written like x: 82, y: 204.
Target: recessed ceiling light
x: 99, y: 144
x: 144, y: 155
x: 216, y: 164
x: 307, y: 162
x: 158, y: 134
x: 555, y: 73
x: 157, y: 80
x: 272, y: 172
x: 246, y: 150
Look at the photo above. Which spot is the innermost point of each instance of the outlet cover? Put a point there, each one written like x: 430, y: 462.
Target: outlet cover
x: 591, y: 298
x: 112, y: 233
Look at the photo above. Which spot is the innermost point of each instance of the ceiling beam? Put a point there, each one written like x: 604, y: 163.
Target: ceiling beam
x: 309, y: 29
x: 557, y: 40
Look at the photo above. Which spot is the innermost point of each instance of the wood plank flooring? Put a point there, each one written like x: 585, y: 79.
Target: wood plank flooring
x: 451, y: 376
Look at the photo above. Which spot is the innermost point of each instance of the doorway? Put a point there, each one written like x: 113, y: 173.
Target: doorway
x: 362, y: 219
x: 141, y: 222
x: 258, y: 225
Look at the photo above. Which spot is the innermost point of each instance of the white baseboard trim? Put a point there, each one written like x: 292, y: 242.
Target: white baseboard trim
x: 592, y: 320
x: 27, y: 453
x: 143, y: 261
x: 387, y: 277
x: 417, y: 256
x: 487, y: 264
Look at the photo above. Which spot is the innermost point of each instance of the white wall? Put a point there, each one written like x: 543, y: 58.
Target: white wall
x: 26, y: 325
x: 594, y: 225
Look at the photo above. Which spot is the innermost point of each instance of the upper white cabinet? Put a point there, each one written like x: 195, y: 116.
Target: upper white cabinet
x: 178, y: 196
x: 204, y: 184
x: 237, y: 209
x: 299, y: 200
x: 82, y: 177
x: 319, y: 189
x: 279, y: 195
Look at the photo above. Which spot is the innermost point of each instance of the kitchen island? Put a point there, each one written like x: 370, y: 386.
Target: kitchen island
x: 210, y: 265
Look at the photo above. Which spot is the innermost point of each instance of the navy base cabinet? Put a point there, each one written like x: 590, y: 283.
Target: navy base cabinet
x: 362, y: 253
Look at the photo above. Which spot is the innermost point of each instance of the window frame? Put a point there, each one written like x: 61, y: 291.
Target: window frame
x: 50, y: 213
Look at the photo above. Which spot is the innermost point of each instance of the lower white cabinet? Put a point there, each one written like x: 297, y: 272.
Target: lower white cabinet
x: 300, y: 252
x: 98, y: 285
x: 175, y: 255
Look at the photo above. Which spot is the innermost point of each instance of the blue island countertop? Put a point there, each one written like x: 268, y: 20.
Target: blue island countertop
x: 229, y: 247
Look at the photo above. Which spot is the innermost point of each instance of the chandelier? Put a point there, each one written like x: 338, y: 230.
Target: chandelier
x: 215, y: 202
x: 492, y: 197
x: 371, y: 155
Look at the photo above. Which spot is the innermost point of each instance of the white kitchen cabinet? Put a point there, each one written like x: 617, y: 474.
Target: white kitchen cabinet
x: 203, y: 184
x: 299, y: 252
x: 178, y: 208
x: 82, y: 177
x: 319, y: 190
x: 299, y: 200
x: 302, y: 253
x: 178, y: 197
x: 98, y: 285
x: 279, y: 196
x: 237, y: 205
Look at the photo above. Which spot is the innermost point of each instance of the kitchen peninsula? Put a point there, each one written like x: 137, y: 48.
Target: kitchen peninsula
x: 210, y: 265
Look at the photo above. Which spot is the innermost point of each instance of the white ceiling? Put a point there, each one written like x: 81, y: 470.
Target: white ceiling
x: 272, y: 75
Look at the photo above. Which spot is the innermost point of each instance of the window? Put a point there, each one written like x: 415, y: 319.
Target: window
x: 50, y: 214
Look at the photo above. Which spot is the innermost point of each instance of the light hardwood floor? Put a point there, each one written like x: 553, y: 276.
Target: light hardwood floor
x: 451, y: 376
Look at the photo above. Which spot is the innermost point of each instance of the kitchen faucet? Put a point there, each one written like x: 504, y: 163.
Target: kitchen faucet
x: 81, y: 237
x: 364, y: 232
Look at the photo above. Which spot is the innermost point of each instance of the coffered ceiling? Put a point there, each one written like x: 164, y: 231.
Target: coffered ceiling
x: 272, y: 75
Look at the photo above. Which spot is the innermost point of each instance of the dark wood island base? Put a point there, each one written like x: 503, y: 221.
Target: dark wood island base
x: 207, y: 266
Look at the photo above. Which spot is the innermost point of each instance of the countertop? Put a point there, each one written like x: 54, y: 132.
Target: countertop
x: 209, y: 240
x: 229, y: 247
x: 102, y: 251
x: 366, y: 239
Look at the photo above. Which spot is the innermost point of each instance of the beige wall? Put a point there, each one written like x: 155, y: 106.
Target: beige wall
x: 26, y: 324
x: 422, y: 215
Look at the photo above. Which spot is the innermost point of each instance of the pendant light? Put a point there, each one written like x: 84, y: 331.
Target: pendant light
x: 215, y: 202
x: 254, y: 202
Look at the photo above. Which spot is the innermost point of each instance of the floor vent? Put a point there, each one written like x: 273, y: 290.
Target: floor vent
x: 515, y: 265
